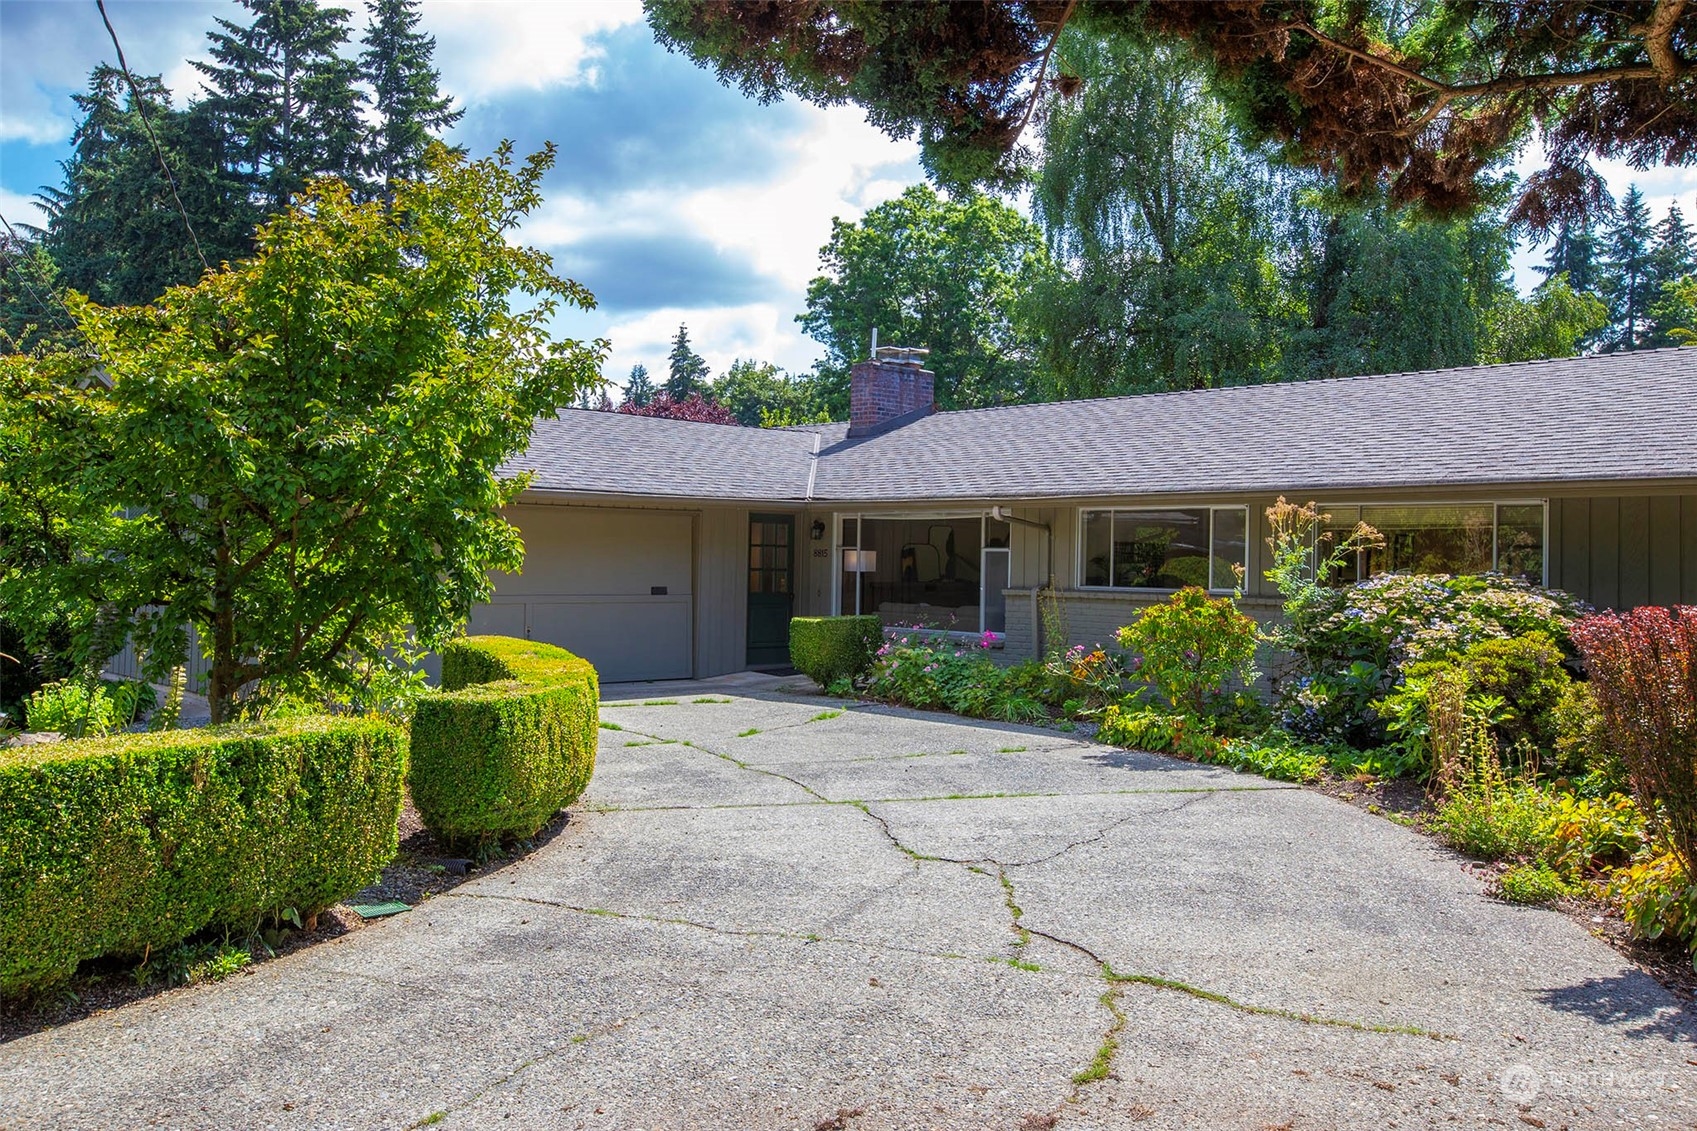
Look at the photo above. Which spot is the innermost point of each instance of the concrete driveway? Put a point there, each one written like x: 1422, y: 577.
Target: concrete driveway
x: 770, y: 914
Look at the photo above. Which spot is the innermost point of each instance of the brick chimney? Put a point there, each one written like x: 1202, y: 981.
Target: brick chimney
x: 890, y: 390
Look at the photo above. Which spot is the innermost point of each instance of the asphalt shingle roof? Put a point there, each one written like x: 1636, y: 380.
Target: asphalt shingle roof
x: 1627, y: 416
x: 610, y: 453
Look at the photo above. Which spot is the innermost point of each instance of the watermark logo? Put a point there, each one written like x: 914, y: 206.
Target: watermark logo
x: 1520, y: 1083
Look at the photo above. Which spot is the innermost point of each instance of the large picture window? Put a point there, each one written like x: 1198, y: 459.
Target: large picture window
x: 943, y: 572
x: 1506, y: 538
x: 1164, y: 548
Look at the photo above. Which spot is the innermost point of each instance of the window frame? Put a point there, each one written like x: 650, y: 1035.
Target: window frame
x: 1211, y: 508
x: 1496, y: 506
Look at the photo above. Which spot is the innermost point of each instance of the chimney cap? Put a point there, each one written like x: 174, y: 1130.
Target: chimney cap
x: 901, y: 355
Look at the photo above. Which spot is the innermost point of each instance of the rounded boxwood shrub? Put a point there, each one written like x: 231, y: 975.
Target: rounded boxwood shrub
x: 118, y: 845
x: 826, y: 649
x: 509, y: 742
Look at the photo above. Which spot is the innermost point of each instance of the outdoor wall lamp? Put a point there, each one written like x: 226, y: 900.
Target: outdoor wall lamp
x: 818, y: 530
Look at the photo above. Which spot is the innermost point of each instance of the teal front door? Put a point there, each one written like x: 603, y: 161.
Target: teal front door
x: 771, y: 588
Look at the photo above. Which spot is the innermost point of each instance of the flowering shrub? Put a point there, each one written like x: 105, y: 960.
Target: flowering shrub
x: 932, y: 673
x: 1643, y: 668
x: 1192, y: 647
x: 1089, y: 679
x: 1397, y: 619
x: 1355, y: 644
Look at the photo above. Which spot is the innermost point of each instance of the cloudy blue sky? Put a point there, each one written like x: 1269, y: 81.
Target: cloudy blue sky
x: 674, y: 200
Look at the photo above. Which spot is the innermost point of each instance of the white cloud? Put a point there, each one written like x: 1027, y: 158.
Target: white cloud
x: 488, y: 49
x: 841, y: 167
x: 48, y: 48
x: 19, y: 210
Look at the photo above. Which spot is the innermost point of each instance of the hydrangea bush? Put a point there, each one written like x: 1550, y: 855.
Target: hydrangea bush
x: 1355, y: 644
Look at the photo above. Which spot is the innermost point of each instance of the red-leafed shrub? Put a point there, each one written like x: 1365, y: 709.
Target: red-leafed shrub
x: 693, y: 407
x: 1643, y: 669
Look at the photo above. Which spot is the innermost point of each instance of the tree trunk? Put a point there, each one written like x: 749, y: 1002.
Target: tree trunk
x: 222, y: 680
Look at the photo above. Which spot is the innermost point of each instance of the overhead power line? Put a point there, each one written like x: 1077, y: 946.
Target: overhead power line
x: 141, y: 109
x: 23, y: 276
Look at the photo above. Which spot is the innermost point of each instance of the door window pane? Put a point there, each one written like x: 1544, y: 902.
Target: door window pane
x: 995, y: 600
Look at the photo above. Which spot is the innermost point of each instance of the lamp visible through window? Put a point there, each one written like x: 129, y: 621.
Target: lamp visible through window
x: 860, y: 561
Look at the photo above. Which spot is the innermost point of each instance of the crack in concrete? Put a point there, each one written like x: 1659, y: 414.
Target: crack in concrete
x: 605, y: 807
x: 805, y: 937
x: 1101, y: 1065
x: 738, y: 763
x: 865, y: 807
x: 573, y: 1042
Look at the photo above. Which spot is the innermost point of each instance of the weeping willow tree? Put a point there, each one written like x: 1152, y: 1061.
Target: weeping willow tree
x: 1193, y: 258
x: 1167, y: 227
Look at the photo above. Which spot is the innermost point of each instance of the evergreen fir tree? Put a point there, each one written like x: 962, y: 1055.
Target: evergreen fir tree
x: 114, y: 230
x: 639, y: 388
x: 1574, y: 254
x: 285, y: 99
x: 689, y: 373
x: 1673, y: 259
x: 1627, y: 281
x: 411, y: 110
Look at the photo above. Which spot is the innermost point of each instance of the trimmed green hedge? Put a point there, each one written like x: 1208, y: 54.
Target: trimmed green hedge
x: 509, y: 743
x: 827, y: 649
x: 117, y: 845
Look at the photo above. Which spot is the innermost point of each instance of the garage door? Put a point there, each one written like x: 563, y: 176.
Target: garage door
x: 611, y: 586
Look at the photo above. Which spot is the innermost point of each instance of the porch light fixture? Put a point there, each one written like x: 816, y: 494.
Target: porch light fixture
x: 818, y: 530
x: 860, y: 561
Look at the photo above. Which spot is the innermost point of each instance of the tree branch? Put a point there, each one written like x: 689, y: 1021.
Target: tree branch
x: 1667, y: 13
x: 1658, y: 40
x: 1042, y: 71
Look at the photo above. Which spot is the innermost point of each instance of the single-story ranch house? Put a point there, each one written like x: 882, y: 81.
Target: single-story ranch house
x: 662, y: 548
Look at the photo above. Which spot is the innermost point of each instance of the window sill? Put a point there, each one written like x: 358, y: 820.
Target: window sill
x: 997, y: 639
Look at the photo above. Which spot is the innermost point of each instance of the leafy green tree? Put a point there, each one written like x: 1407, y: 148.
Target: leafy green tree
x: 31, y: 314
x: 1678, y: 311
x: 951, y: 276
x: 1191, y: 259
x: 299, y: 456
x: 639, y: 387
x: 285, y: 99
x: 409, y: 108
x: 1421, y: 99
x: 113, y: 228
x: 1628, y: 274
x: 1387, y: 292
x: 689, y: 373
x: 760, y: 395
x: 1556, y: 321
